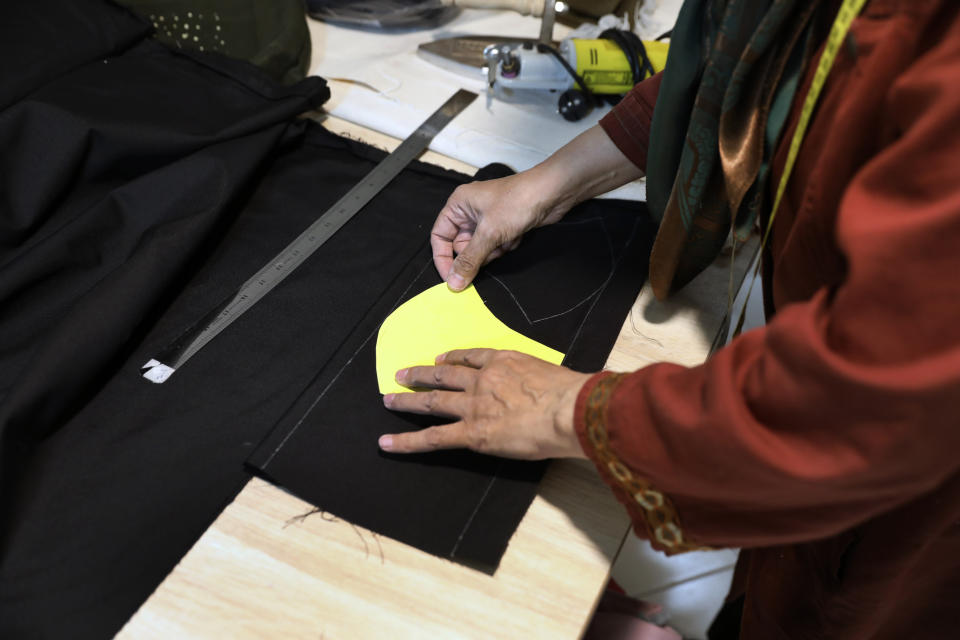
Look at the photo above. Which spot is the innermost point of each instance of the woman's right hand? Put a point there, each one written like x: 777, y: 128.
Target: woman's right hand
x: 483, y: 220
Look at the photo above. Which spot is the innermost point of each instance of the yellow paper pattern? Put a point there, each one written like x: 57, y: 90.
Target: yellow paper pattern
x: 439, y: 320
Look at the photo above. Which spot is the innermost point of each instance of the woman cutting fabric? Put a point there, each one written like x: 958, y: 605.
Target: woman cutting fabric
x: 825, y: 444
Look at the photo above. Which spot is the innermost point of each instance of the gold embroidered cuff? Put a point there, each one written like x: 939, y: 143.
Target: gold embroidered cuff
x: 658, y: 513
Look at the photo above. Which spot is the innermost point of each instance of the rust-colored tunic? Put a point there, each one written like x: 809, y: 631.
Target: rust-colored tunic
x: 826, y: 444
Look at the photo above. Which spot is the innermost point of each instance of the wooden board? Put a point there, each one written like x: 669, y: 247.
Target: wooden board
x: 266, y: 568
x: 263, y: 569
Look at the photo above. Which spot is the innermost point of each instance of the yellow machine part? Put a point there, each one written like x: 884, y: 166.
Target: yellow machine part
x: 604, y: 66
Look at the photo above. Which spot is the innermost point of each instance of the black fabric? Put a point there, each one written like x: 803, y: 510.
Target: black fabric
x: 568, y: 285
x: 726, y: 624
x: 43, y: 39
x: 120, y: 175
x: 139, y: 187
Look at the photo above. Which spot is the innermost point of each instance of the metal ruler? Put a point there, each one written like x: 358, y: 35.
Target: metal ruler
x: 160, y: 368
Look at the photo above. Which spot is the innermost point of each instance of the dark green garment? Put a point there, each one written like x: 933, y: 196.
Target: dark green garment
x: 271, y: 34
x: 729, y: 78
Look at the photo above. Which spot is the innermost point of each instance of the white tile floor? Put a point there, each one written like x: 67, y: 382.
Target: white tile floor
x: 690, y: 586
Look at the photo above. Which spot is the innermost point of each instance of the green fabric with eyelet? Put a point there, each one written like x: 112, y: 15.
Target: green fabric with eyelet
x: 271, y: 34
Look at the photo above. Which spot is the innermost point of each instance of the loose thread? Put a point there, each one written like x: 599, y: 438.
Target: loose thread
x: 329, y: 517
x: 366, y: 547
x: 303, y: 516
x: 376, y: 539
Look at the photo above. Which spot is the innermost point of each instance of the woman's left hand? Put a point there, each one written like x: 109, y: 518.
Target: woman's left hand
x: 504, y: 402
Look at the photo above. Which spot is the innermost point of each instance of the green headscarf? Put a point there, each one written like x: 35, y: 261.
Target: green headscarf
x: 730, y: 63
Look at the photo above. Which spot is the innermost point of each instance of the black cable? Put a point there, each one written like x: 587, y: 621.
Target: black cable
x: 633, y: 49
x: 545, y: 48
x: 647, y: 64
x: 617, y: 37
x: 629, y: 43
x: 571, y: 104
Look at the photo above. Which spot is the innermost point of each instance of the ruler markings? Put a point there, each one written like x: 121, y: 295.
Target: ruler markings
x: 159, y: 369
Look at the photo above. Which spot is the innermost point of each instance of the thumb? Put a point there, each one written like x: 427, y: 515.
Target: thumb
x: 469, y: 261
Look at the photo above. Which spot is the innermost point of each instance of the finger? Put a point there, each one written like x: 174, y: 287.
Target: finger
x: 461, y: 241
x: 473, y: 358
x: 446, y: 404
x: 445, y: 231
x: 513, y: 244
x: 496, y: 253
x: 501, y: 250
x: 469, y: 261
x: 439, y: 377
x: 448, y: 436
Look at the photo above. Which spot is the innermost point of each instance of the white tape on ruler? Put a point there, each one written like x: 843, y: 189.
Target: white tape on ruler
x: 160, y: 368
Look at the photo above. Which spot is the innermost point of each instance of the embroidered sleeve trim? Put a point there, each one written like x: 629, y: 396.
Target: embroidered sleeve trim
x: 659, y: 514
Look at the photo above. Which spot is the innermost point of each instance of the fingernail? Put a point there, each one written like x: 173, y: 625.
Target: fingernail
x: 401, y: 375
x: 456, y: 282
x: 388, y: 399
x: 440, y: 358
x: 386, y: 443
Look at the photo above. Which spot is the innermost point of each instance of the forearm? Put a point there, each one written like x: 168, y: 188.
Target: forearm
x: 778, y: 438
x: 600, y: 159
x: 588, y: 166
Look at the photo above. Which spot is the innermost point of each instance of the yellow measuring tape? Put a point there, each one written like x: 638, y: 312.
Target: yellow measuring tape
x: 838, y: 33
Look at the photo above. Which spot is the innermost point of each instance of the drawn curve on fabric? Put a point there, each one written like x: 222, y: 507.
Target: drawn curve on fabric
x: 633, y: 234
x: 584, y: 300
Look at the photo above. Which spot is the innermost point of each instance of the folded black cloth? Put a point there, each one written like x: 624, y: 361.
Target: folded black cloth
x: 124, y: 168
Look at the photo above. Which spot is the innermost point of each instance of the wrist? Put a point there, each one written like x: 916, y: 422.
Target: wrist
x: 564, y: 423
x: 587, y: 166
x: 545, y: 192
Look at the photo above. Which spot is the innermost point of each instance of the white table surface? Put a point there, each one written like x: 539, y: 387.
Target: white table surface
x: 400, y: 89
